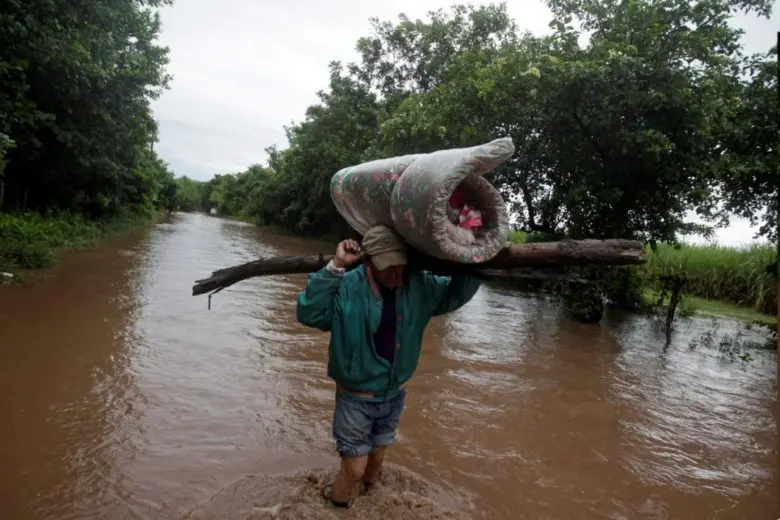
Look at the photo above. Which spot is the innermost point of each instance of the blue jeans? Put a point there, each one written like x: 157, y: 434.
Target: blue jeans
x: 359, y: 426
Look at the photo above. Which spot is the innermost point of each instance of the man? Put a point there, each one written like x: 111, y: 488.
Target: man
x: 376, y: 315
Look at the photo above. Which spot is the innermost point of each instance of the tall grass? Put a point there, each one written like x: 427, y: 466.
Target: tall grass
x: 733, y: 275
x: 518, y: 237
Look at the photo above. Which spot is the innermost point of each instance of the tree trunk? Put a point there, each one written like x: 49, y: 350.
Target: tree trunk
x: 547, y: 256
x: 677, y: 284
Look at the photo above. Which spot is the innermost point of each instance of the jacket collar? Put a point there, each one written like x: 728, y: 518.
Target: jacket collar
x: 372, y: 281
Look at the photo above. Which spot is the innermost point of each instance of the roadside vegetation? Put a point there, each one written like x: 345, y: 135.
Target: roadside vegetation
x: 33, y: 241
x: 736, y: 276
x: 77, y: 135
x: 720, y: 281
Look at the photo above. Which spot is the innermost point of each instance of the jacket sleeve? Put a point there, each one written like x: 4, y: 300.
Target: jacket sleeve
x: 449, y: 293
x: 317, y: 301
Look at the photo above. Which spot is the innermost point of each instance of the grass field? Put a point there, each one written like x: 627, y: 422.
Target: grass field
x: 723, y: 274
x: 721, y: 281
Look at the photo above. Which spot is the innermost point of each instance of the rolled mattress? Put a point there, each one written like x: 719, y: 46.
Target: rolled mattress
x: 411, y: 194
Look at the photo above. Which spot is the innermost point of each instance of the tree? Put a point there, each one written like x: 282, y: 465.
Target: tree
x: 749, y: 160
x: 415, y: 56
x: 76, y: 81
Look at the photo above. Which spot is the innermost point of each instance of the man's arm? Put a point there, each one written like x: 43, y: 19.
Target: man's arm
x: 317, y: 301
x: 450, y: 292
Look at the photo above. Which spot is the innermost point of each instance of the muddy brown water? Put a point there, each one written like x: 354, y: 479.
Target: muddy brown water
x: 122, y: 396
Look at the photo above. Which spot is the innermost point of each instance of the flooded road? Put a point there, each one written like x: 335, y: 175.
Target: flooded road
x: 122, y: 396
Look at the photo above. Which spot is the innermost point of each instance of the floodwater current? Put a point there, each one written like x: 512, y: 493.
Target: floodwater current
x: 122, y: 396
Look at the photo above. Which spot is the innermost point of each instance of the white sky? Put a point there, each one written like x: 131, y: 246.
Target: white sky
x: 242, y: 69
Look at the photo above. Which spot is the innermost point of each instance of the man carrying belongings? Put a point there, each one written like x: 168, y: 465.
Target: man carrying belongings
x: 376, y: 315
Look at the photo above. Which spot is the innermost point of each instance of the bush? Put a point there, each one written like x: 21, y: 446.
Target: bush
x: 29, y: 240
x: 34, y: 256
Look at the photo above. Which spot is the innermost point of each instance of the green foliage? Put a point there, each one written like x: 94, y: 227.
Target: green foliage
x: 519, y: 237
x: 188, y: 195
x: 618, y: 138
x: 733, y: 275
x: 749, y: 165
x: 28, y: 241
x: 31, y: 240
x: 737, y: 276
x: 621, y: 285
x: 76, y: 127
x: 6, y: 143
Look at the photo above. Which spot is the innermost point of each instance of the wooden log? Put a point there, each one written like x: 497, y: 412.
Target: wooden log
x: 543, y: 255
x: 549, y: 254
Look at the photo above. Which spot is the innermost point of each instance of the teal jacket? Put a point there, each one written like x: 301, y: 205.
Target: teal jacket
x: 349, y: 306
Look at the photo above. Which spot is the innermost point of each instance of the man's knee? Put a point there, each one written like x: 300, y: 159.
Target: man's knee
x: 354, y: 467
x: 377, y: 455
x: 373, y: 468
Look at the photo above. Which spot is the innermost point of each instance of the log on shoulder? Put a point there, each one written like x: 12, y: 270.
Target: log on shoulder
x: 542, y: 255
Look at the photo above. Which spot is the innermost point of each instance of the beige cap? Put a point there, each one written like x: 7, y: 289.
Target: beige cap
x: 384, y: 260
x: 384, y: 247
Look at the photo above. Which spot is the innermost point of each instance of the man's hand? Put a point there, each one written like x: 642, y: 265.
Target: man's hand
x: 348, y: 252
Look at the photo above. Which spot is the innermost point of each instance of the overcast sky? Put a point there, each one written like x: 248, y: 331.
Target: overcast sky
x: 242, y: 69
